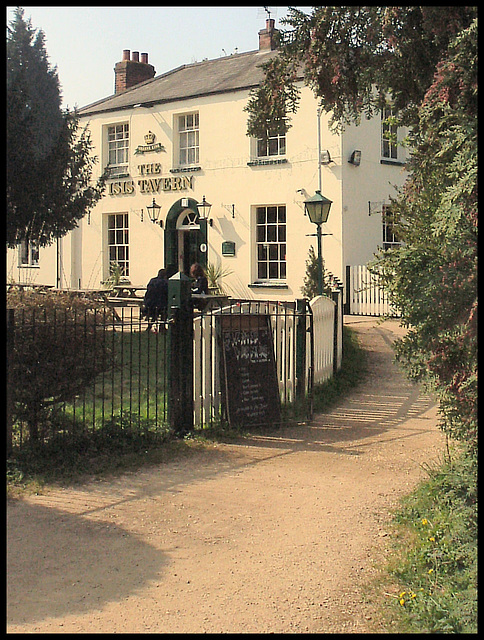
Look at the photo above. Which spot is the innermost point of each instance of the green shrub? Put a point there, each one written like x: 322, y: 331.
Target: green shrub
x: 121, y: 441
x: 59, y: 347
x: 311, y: 283
x: 435, y: 556
x: 353, y: 367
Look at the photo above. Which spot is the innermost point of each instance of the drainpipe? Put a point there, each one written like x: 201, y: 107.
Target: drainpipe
x: 57, y: 264
x: 319, y: 151
x: 58, y: 275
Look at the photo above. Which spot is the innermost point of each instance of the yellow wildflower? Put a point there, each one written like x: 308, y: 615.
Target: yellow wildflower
x: 425, y: 521
x: 432, y: 539
x: 402, y: 601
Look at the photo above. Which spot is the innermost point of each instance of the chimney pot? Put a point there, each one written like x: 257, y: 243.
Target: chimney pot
x: 266, y: 36
x: 130, y: 72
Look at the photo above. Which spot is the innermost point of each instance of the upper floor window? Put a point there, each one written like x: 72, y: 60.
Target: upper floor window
x: 271, y: 242
x: 274, y: 145
x: 390, y: 238
x: 28, y: 253
x: 389, y: 149
x: 118, y: 148
x: 188, y: 139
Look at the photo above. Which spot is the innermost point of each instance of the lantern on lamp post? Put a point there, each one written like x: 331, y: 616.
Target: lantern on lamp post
x: 317, y: 207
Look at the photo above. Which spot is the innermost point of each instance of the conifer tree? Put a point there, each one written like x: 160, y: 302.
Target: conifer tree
x: 311, y: 282
x: 49, y: 166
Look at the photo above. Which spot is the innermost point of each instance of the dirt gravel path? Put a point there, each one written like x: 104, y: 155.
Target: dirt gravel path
x: 272, y: 534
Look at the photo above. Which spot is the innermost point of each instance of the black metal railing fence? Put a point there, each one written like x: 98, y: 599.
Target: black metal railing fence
x: 100, y: 370
x: 72, y: 372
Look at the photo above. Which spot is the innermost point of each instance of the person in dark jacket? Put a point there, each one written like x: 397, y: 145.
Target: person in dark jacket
x: 198, y: 274
x: 156, y: 299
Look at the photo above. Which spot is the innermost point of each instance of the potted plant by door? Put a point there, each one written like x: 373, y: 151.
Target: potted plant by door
x: 215, y: 274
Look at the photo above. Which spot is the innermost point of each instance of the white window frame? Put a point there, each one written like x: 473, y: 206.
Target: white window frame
x: 118, y: 149
x: 188, y: 130
x: 117, y: 241
x: 271, y: 243
x: 390, y: 240
x: 273, y: 146
x: 389, y: 146
x: 28, y: 254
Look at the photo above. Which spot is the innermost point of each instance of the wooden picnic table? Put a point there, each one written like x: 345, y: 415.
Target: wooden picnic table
x: 125, y: 295
x: 128, y: 291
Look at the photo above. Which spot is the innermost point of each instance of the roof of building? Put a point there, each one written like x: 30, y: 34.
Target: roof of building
x: 221, y: 75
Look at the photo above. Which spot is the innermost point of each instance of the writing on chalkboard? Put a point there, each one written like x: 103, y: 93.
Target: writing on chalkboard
x: 246, y: 345
x: 249, y: 370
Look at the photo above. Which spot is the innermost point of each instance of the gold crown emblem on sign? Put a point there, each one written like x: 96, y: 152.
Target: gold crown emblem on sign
x: 150, y: 137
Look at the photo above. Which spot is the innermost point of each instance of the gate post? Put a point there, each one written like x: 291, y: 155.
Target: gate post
x: 347, y: 304
x: 10, y: 384
x: 336, y: 295
x: 180, y: 354
x: 300, y: 348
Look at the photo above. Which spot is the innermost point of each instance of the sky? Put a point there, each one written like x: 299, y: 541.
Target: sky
x: 86, y: 42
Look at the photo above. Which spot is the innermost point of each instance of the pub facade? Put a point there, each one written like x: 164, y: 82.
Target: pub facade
x: 175, y: 143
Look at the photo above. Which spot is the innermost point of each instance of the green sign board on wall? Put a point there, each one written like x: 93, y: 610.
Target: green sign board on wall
x: 228, y: 248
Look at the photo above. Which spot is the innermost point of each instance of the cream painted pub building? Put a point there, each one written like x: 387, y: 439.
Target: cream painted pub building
x: 177, y: 138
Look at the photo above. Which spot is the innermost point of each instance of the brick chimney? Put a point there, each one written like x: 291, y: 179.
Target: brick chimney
x: 266, y: 36
x: 130, y: 72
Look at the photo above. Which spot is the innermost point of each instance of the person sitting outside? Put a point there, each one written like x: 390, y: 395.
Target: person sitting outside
x: 156, y: 299
x: 198, y: 274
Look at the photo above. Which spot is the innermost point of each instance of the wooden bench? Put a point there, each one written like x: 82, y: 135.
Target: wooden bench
x: 117, y: 301
x: 128, y: 291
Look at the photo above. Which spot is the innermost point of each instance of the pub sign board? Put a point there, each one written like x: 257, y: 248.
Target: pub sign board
x: 250, y: 385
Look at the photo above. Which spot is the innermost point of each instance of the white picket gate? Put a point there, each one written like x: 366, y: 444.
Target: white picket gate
x: 364, y: 294
x: 318, y: 325
x: 323, y: 309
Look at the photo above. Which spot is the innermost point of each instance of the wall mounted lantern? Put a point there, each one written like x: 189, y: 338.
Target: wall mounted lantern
x: 203, y: 209
x: 325, y: 157
x: 355, y: 158
x: 154, y: 213
x: 317, y: 207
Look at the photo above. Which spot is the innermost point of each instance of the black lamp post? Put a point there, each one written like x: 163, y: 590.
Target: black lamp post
x: 154, y: 212
x: 317, y: 208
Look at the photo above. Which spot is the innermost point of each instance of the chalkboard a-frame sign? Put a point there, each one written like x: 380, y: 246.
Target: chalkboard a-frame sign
x: 249, y: 373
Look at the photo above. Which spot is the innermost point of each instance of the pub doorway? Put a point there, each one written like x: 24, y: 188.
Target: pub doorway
x: 188, y: 241
x: 185, y: 238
